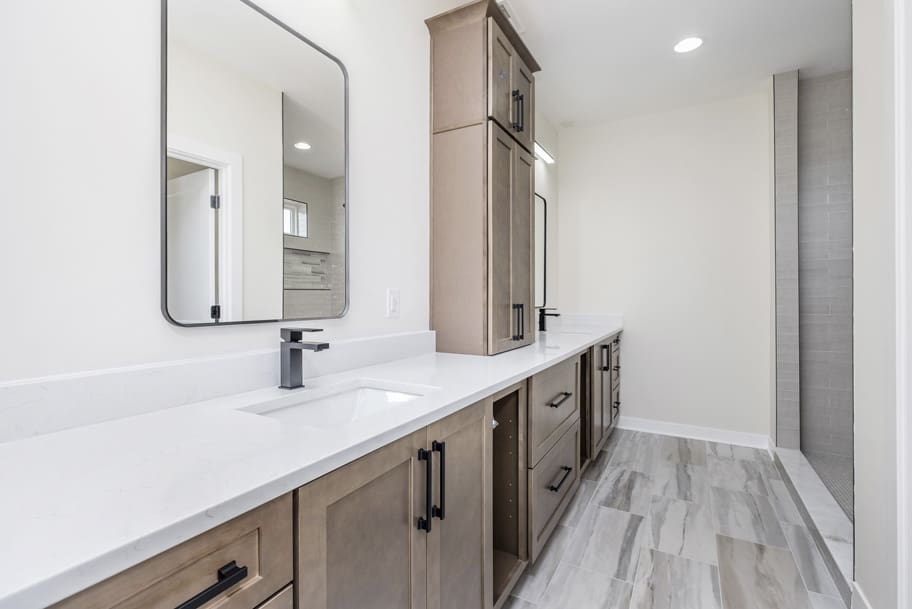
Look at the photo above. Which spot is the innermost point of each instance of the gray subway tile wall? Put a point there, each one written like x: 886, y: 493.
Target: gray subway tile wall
x: 825, y: 279
x: 785, y: 88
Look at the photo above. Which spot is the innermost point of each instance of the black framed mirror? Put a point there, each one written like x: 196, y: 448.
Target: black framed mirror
x: 254, y: 169
x: 541, y: 251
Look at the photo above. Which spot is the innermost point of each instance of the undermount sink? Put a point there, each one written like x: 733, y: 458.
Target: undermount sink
x: 342, y: 404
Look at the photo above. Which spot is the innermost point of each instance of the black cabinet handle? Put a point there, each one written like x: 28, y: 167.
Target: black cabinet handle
x: 522, y: 113
x: 424, y: 524
x: 556, y: 487
x: 516, y: 110
x: 520, y: 331
x: 228, y: 576
x: 562, y: 397
x: 617, y: 405
x: 606, y: 359
x: 440, y: 447
x: 618, y: 368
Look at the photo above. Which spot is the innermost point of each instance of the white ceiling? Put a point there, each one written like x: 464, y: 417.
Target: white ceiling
x: 604, y: 59
x: 314, y: 88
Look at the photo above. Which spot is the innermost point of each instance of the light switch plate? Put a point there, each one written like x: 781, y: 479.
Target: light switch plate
x: 392, y: 303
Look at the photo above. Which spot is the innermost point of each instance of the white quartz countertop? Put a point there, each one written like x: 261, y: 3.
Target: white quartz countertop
x: 83, y: 504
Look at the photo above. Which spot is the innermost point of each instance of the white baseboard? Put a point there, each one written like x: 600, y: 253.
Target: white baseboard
x: 859, y: 600
x: 712, y: 434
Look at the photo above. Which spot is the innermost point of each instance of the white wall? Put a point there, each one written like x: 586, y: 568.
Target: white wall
x: 874, y: 316
x: 317, y: 192
x: 79, y: 254
x: 205, y: 100
x: 665, y: 219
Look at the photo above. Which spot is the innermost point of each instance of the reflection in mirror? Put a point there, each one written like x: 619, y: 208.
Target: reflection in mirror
x: 541, y: 250
x: 255, y: 207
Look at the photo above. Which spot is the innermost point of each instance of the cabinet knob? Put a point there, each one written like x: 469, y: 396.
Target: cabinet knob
x: 494, y: 423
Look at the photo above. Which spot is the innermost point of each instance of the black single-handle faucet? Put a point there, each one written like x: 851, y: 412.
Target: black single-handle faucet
x: 542, y: 314
x: 292, y: 362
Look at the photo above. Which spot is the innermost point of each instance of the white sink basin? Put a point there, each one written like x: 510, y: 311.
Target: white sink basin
x: 343, y: 404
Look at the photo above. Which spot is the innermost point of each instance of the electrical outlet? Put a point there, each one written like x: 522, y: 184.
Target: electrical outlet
x: 392, y: 303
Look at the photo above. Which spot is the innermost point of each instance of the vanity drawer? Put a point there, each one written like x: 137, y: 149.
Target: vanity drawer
x: 237, y: 565
x: 553, y: 406
x: 552, y: 484
x: 282, y: 600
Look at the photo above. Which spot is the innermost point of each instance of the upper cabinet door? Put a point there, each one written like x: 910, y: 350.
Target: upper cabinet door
x: 502, y: 59
x: 523, y: 100
x: 522, y: 228
x: 504, y: 315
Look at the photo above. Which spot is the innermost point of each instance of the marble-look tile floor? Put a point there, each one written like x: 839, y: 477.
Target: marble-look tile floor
x: 670, y: 523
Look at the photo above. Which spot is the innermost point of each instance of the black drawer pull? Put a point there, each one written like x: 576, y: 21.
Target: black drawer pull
x: 228, y: 576
x: 424, y: 524
x: 617, y: 405
x: 440, y: 447
x: 562, y: 397
x: 556, y: 487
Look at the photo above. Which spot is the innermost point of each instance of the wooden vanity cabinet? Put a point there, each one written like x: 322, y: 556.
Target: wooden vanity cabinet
x: 370, y: 535
x: 237, y: 565
x: 606, y: 367
x: 482, y: 182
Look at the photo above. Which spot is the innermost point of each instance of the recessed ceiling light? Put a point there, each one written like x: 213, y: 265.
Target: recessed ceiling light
x: 688, y: 44
x: 543, y: 154
x: 302, y: 146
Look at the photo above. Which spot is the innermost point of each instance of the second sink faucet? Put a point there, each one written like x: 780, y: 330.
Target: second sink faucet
x: 542, y: 314
x: 292, y: 363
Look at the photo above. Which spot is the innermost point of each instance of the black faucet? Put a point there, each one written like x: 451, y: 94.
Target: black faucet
x: 542, y: 314
x: 292, y: 362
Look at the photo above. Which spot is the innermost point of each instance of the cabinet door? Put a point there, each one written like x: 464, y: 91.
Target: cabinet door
x: 601, y: 394
x: 358, y: 542
x: 522, y: 227
x: 459, y: 567
x: 523, y: 99
x: 503, y: 316
x: 501, y: 57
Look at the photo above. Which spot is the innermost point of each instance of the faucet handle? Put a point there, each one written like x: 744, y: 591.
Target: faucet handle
x: 295, y: 335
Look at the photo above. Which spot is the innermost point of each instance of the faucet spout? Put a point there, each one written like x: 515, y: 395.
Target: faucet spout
x: 292, y: 370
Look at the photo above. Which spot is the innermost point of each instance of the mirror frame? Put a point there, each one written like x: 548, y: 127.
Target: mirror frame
x: 544, y: 255
x: 163, y: 174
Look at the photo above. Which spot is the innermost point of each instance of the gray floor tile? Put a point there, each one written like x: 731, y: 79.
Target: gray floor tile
x: 625, y: 490
x: 518, y: 603
x: 730, y: 451
x: 533, y: 583
x: 819, y: 601
x: 683, y: 450
x: 579, y: 588
x: 754, y: 576
x: 746, y: 516
x: 737, y: 475
x: 782, y: 502
x: 682, y: 528
x: 579, y: 504
x: 687, y: 482
x: 636, y: 451
x: 810, y: 563
x: 608, y: 541
x: 664, y: 581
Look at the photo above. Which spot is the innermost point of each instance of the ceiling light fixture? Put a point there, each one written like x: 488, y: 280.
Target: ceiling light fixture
x: 302, y: 146
x: 688, y: 44
x: 544, y: 155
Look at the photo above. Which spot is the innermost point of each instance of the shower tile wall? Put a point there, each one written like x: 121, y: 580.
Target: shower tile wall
x: 785, y: 88
x: 825, y: 279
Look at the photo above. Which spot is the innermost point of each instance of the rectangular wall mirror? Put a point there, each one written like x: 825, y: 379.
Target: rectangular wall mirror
x: 541, y: 251
x: 254, y: 168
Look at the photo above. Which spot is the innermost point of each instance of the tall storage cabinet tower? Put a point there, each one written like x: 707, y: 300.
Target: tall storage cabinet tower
x: 482, y: 182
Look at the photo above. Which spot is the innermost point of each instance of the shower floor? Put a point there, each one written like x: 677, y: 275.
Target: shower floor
x: 836, y: 472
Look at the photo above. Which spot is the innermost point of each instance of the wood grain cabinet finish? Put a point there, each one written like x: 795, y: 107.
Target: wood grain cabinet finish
x: 552, y: 484
x: 482, y: 182
x: 363, y: 538
x: 282, y: 600
x: 358, y: 544
x: 606, y: 366
x: 553, y: 406
x: 243, y: 563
